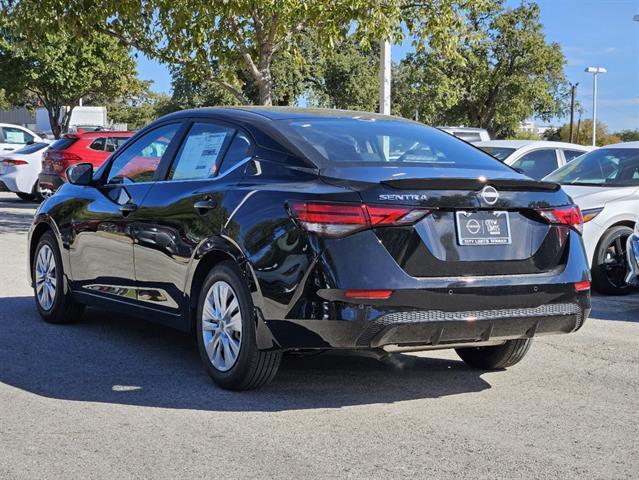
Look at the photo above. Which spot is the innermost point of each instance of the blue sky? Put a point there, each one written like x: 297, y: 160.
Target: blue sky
x: 590, y: 32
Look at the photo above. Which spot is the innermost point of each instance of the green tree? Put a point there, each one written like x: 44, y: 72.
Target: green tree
x: 583, y: 133
x: 219, y: 39
x: 139, y: 111
x: 56, y: 69
x: 4, y: 103
x: 346, y: 77
x: 504, y: 72
x: 628, y: 135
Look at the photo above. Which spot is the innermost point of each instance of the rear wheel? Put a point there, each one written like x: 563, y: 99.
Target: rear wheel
x: 226, y: 333
x: 27, y: 197
x: 610, y: 264
x: 53, y: 300
x: 497, y: 357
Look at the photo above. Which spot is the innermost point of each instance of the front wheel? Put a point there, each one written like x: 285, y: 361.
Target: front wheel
x: 226, y: 333
x: 497, y: 357
x: 55, y: 304
x: 610, y: 265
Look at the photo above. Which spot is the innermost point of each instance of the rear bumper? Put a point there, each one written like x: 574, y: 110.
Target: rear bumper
x: 49, y: 181
x: 512, y: 316
x: 422, y: 311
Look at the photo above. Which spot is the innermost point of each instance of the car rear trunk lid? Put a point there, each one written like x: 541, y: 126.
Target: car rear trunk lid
x: 513, y: 237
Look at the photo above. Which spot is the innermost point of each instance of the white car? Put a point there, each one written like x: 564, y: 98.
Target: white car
x: 19, y: 170
x: 535, y: 158
x: 14, y: 137
x: 468, y: 133
x: 605, y: 185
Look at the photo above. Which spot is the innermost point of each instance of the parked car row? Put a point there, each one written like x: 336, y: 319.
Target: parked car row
x: 601, y: 182
x: 34, y: 167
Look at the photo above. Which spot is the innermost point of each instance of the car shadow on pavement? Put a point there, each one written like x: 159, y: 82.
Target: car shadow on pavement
x: 624, y: 308
x: 124, y: 360
x: 15, y: 222
x: 18, y: 203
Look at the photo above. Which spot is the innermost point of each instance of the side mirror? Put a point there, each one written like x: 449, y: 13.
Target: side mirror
x: 80, y: 174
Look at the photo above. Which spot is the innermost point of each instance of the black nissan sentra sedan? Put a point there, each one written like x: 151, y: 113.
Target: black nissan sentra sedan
x: 266, y: 230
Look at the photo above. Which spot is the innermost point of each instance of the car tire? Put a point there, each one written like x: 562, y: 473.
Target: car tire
x: 53, y: 299
x: 610, y: 265
x: 226, y: 332
x: 27, y: 197
x: 497, y: 357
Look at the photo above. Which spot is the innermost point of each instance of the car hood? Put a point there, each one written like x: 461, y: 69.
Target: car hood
x: 595, y: 197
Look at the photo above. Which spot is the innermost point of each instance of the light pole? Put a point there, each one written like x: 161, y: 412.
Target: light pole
x: 595, y: 71
x: 573, y: 94
x: 385, y: 78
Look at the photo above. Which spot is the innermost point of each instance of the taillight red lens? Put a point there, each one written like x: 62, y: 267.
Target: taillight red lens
x: 57, y: 161
x: 368, y: 294
x: 341, y: 219
x: 570, y: 216
x: 582, y: 286
x: 12, y: 163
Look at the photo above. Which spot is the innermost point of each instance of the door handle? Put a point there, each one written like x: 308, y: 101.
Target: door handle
x: 127, y: 208
x: 203, y: 206
x: 9, y: 149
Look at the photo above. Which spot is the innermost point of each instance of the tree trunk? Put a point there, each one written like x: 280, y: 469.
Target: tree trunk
x: 265, y: 86
x: 67, y: 118
x: 54, y: 120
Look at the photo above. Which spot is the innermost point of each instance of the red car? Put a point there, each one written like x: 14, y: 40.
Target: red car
x: 72, y: 148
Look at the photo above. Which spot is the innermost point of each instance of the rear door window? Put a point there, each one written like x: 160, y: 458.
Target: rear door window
x: 538, y: 163
x: 200, y: 152
x: 239, y: 150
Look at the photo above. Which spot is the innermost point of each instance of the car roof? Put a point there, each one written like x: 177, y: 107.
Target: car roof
x: 517, y: 144
x: 623, y: 145
x: 98, y: 134
x: 281, y: 113
x: 464, y: 129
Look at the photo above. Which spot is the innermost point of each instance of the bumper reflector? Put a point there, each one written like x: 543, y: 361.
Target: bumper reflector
x: 368, y: 294
x: 582, y: 286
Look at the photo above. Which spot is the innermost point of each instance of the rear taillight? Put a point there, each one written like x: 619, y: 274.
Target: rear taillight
x: 13, y: 163
x: 58, y: 161
x: 368, y: 294
x: 341, y: 219
x: 570, y: 216
x: 582, y: 286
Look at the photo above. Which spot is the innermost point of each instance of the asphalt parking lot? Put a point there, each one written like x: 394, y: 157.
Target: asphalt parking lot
x: 117, y: 397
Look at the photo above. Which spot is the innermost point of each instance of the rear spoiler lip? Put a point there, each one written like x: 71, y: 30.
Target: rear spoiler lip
x: 469, y: 184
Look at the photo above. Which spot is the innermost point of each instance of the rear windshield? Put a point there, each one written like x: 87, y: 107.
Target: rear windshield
x: 500, y: 153
x: 63, y: 143
x: 32, y: 148
x: 374, y: 142
x: 607, y: 167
